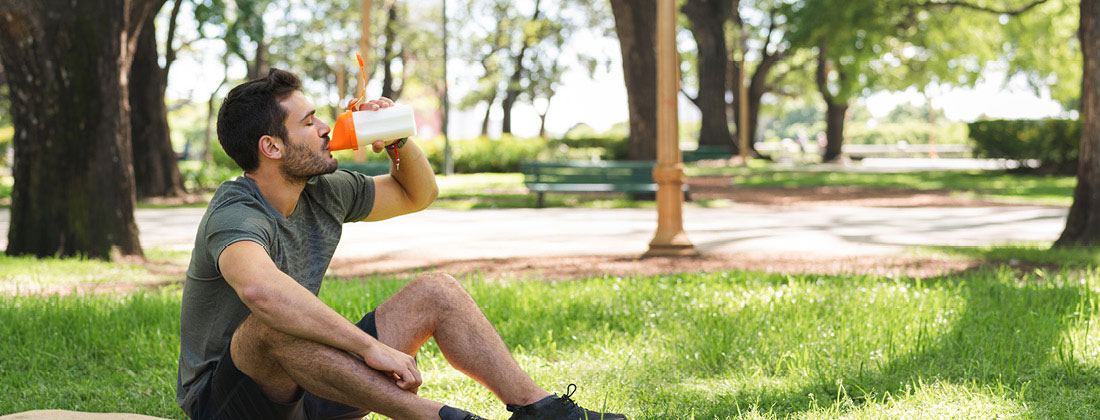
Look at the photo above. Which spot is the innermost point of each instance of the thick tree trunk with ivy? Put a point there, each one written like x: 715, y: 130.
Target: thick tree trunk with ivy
x: 1083, y: 223
x: 156, y: 173
x: 707, y: 19
x: 636, y: 26
x: 67, y: 64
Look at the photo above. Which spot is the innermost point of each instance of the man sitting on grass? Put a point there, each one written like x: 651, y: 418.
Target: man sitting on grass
x: 257, y: 343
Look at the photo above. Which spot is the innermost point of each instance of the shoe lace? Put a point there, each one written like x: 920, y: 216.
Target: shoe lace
x: 567, y: 399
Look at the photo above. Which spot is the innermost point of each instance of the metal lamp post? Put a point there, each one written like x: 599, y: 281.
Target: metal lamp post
x: 670, y: 240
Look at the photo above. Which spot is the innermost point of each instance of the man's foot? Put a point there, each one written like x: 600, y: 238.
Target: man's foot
x: 451, y: 413
x: 559, y: 408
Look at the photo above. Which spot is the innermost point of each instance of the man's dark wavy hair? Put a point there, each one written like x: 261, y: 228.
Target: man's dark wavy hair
x: 252, y: 110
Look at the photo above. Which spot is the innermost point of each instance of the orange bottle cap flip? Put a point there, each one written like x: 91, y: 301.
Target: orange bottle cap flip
x: 343, y: 133
x: 354, y: 127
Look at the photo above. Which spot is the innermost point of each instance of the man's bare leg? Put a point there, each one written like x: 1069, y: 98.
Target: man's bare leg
x: 436, y: 305
x: 432, y: 305
x: 280, y: 363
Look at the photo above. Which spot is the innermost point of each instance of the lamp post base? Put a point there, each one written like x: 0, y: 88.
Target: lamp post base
x: 671, y: 250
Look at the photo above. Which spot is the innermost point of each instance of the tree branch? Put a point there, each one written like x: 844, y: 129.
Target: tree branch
x: 768, y: 40
x: 966, y: 5
x: 821, y: 76
x: 694, y: 100
x: 170, y: 53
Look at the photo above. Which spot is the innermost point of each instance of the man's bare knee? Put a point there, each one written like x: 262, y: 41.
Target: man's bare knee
x: 440, y: 288
x: 253, y: 349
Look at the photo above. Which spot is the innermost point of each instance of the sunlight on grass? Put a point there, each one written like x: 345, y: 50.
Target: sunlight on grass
x: 478, y: 183
x: 18, y: 273
x: 997, y: 186
x: 30, y: 271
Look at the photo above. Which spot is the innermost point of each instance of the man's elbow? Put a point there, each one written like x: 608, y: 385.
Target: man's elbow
x: 428, y: 198
x: 258, y: 298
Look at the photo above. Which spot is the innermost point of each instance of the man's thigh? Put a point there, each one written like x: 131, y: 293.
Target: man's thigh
x: 231, y: 395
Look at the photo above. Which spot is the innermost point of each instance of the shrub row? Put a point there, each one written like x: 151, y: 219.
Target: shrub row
x: 482, y: 154
x: 1054, y: 142
x: 911, y: 132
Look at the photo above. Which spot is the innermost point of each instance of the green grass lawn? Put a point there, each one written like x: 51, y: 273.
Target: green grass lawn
x: 992, y: 342
x: 30, y: 273
x: 991, y: 185
x: 506, y: 190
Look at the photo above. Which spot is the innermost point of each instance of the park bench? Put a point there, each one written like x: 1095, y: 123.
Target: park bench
x: 588, y: 176
x: 372, y: 168
x: 706, y: 153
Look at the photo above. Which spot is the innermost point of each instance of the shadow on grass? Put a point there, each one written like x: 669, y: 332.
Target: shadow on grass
x: 1008, y: 335
x: 1026, y: 254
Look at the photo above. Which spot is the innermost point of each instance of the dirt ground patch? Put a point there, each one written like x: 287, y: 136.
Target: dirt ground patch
x: 720, y: 187
x: 559, y: 269
x: 565, y: 268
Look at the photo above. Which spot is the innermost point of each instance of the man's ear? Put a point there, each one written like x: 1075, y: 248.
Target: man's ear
x: 271, y: 147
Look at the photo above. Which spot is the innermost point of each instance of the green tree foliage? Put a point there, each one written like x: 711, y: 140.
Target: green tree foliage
x: 319, y: 41
x: 1042, y: 45
x: 867, y: 45
x: 522, y: 48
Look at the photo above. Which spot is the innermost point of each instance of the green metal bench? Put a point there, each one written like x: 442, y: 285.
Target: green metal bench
x: 372, y: 168
x: 587, y: 176
x: 706, y: 152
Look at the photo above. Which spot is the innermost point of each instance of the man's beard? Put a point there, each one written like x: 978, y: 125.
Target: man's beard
x: 301, y: 163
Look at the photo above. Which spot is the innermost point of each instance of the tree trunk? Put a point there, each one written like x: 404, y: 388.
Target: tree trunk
x: 388, y: 55
x: 835, y: 109
x: 636, y: 26
x: 758, y: 86
x: 511, y: 94
x: 74, y: 179
x: 156, y: 173
x: 488, y: 110
x: 834, y: 130
x: 211, y: 115
x: 542, y: 118
x: 707, y: 18
x: 1083, y: 222
x: 258, y: 67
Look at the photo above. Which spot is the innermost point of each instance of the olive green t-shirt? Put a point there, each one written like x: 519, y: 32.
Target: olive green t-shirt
x: 300, y: 245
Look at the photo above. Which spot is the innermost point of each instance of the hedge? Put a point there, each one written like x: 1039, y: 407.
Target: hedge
x: 1054, y: 142
x: 483, y: 154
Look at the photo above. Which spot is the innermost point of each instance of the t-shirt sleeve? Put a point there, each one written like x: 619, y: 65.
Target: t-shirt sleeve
x: 233, y: 224
x: 353, y: 192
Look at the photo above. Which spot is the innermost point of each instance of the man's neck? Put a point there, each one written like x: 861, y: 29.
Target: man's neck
x: 282, y: 193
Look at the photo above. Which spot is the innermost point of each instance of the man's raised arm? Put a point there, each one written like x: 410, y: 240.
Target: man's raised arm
x: 406, y: 190
x: 409, y: 187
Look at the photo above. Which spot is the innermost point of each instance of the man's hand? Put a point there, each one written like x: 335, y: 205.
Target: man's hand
x: 397, y: 365
x: 374, y: 105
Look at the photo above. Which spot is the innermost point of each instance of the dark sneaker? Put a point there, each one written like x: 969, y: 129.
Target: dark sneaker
x: 559, y: 408
x: 451, y: 413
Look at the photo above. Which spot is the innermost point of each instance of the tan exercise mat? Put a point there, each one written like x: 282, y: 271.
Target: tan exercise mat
x: 73, y: 415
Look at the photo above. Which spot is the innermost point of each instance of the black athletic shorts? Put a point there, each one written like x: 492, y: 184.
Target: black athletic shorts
x: 232, y: 395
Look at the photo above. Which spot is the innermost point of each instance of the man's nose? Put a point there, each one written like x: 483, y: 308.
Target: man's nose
x: 325, y: 129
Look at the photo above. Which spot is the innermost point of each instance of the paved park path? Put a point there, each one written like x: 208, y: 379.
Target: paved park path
x: 822, y: 231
